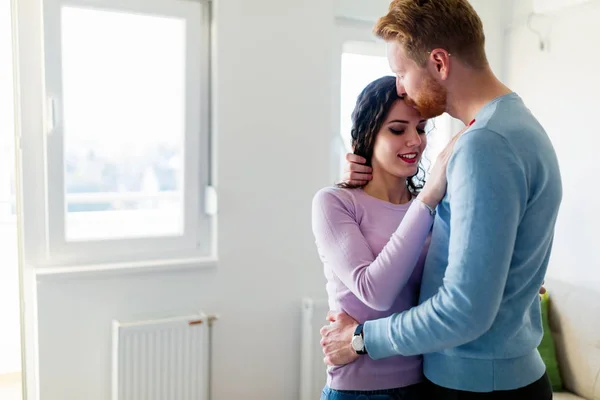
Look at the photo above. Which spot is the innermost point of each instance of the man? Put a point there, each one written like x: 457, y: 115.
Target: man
x: 478, y: 323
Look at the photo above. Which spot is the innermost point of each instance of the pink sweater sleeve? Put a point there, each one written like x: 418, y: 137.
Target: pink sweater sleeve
x: 375, y: 279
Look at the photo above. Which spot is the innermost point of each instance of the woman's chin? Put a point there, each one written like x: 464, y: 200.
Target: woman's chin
x: 401, y: 170
x: 408, y: 171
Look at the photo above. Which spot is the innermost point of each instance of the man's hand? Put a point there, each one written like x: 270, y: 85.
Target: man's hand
x: 336, y: 338
x: 356, y: 172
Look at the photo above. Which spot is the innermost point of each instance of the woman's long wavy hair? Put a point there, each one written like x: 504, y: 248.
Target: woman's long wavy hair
x: 372, y: 107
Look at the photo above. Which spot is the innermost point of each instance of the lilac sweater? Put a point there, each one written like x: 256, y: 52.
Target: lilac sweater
x: 369, y: 275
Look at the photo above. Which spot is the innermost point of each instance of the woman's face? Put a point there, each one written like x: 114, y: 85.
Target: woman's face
x: 400, y: 142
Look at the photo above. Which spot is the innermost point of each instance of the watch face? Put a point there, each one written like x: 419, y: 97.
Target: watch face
x: 358, y: 343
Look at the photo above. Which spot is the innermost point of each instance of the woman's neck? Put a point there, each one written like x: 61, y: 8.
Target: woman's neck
x: 388, y: 188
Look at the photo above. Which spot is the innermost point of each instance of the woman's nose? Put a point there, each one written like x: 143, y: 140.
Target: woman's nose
x: 413, y: 138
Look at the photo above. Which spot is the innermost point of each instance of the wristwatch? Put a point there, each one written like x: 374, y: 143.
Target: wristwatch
x: 358, y: 340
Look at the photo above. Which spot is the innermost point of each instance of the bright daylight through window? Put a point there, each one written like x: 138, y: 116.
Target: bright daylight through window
x: 123, y: 128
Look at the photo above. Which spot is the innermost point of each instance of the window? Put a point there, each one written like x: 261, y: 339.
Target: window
x: 362, y: 63
x: 363, y: 59
x: 127, y: 144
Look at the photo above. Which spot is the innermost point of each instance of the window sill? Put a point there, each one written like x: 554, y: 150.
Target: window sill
x: 126, y: 268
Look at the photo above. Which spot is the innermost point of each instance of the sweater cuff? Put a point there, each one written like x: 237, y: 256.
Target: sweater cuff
x: 377, y: 339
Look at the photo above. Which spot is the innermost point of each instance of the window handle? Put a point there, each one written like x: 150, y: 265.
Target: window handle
x: 210, y: 200
x: 51, y: 115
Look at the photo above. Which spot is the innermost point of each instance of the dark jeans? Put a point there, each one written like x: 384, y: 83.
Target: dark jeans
x: 538, y: 390
x: 413, y: 392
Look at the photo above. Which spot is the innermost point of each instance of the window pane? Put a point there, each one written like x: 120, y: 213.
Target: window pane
x: 358, y: 70
x: 124, y: 122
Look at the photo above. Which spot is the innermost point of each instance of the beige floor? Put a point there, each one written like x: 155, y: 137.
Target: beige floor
x: 10, y: 387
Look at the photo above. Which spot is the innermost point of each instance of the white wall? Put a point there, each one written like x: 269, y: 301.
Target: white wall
x: 274, y: 126
x: 10, y: 351
x: 561, y: 86
x: 362, y: 10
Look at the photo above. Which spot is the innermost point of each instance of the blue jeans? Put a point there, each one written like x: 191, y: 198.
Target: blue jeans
x: 412, y: 392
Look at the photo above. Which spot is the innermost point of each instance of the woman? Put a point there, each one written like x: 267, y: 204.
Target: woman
x: 353, y: 225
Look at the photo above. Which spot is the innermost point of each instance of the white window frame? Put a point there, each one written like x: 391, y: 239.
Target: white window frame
x: 41, y: 143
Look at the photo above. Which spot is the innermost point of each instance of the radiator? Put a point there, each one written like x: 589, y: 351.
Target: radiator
x: 313, y: 371
x: 165, y: 359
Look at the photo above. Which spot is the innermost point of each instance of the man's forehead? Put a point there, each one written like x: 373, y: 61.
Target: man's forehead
x: 396, y: 55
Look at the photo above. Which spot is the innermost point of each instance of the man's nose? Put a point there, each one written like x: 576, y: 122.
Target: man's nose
x: 400, y: 88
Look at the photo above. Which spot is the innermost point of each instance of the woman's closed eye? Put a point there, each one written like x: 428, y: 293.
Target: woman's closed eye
x: 400, y: 131
x: 397, y: 131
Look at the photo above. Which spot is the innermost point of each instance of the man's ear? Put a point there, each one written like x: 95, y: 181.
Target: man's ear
x: 440, y: 60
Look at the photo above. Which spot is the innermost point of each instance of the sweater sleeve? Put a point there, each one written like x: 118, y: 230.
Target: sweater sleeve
x: 375, y: 279
x: 487, y: 191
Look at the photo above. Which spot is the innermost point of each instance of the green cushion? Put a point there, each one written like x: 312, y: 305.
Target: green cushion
x: 547, y: 349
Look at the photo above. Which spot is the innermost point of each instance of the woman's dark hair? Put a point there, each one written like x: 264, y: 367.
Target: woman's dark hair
x: 372, y: 107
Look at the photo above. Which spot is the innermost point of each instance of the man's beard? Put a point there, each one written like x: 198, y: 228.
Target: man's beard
x: 430, y: 102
